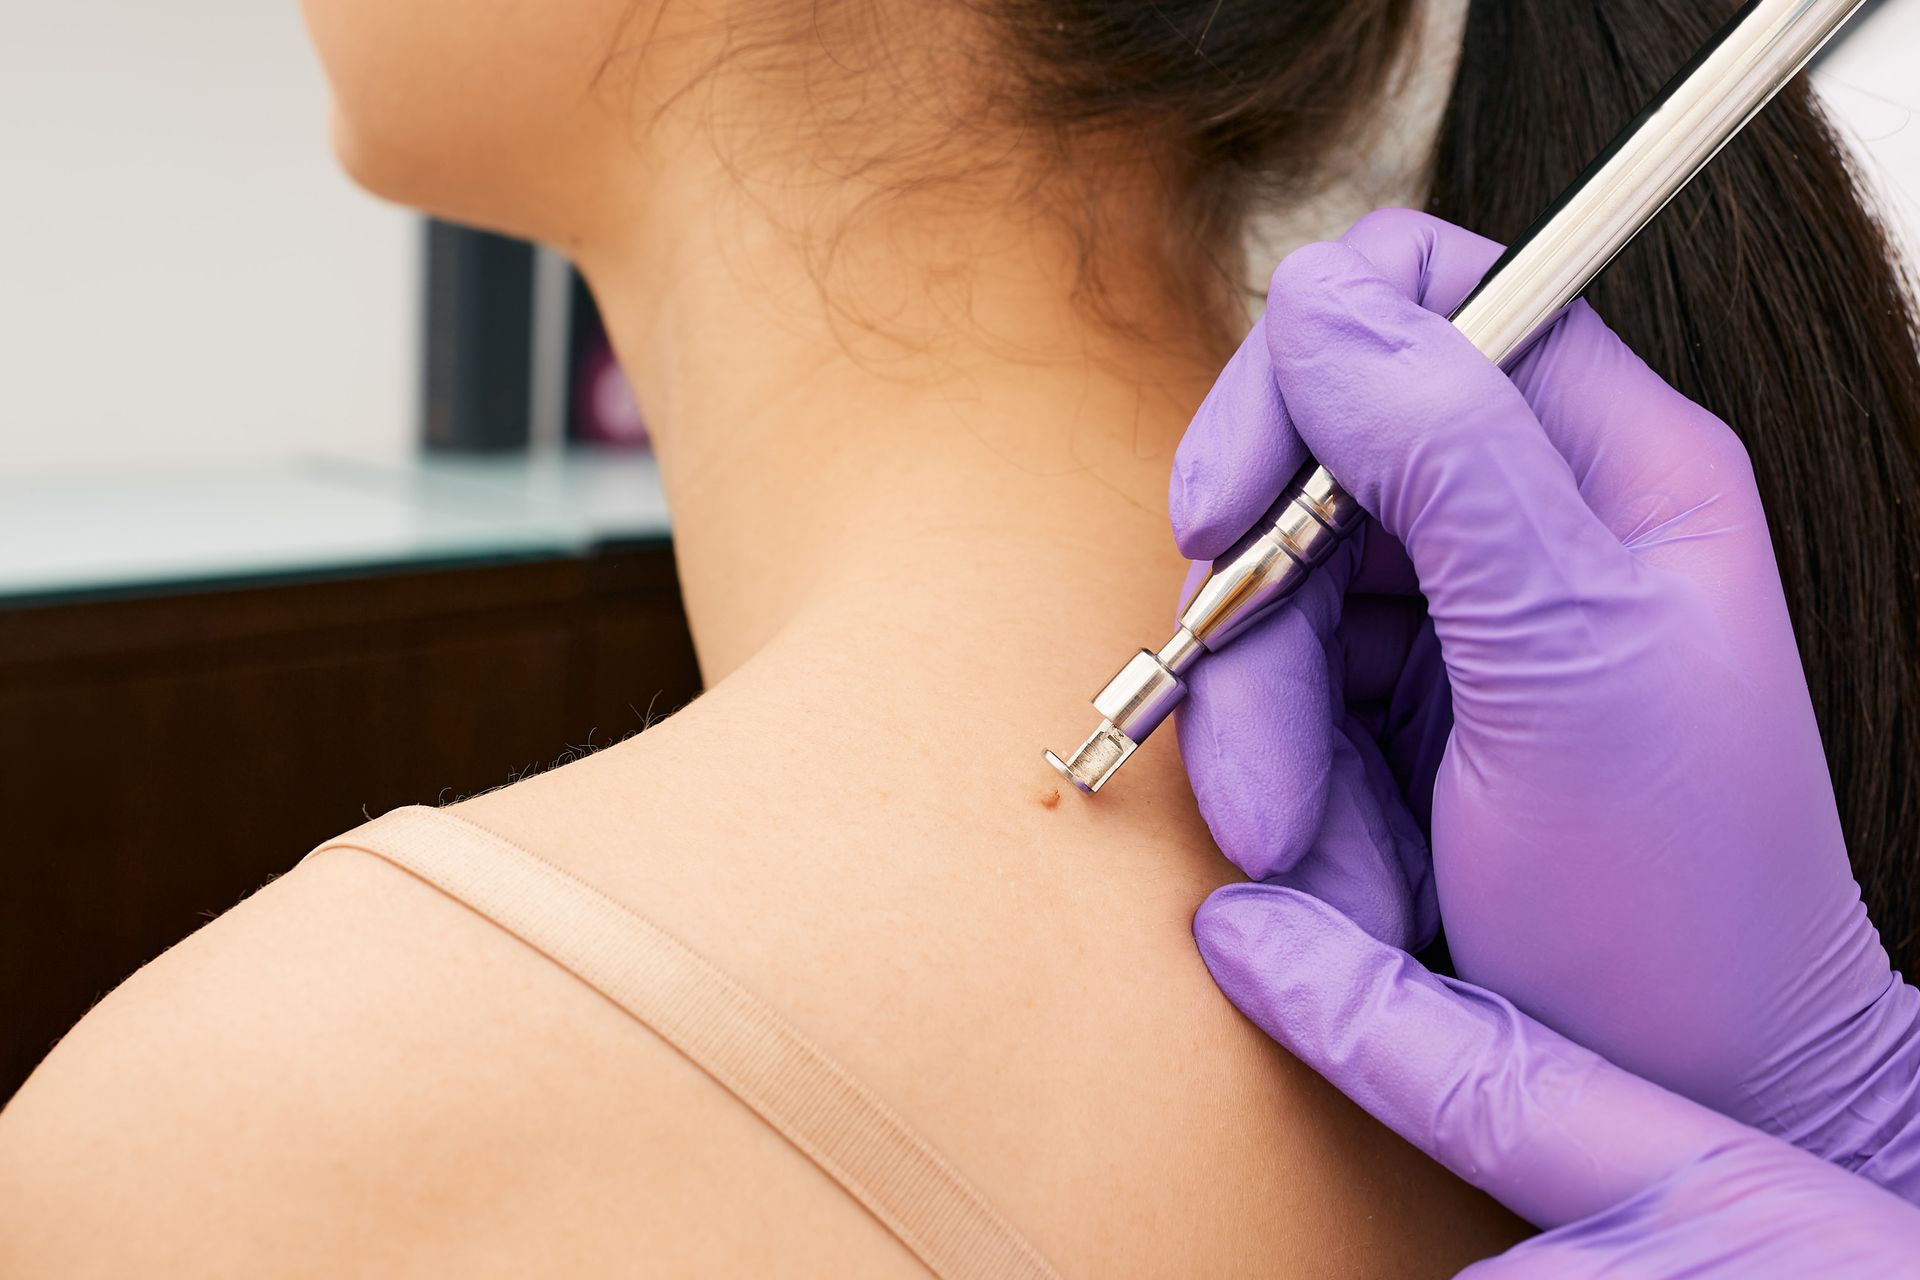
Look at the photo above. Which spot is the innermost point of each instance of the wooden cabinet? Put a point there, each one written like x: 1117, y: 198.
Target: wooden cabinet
x: 161, y: 757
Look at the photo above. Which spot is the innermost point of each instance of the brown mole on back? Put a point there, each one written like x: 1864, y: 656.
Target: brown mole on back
x: 1050, y: 798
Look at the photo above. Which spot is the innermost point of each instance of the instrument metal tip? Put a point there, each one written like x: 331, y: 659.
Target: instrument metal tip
x: 1098, y: 758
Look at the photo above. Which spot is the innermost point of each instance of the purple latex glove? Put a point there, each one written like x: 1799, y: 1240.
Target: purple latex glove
x: 1631, y: 1180
x: 1632, y: 831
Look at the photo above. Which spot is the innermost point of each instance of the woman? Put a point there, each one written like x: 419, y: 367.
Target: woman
x: 919, y: 298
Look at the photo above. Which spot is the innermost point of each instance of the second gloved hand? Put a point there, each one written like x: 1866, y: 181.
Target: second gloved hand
x: 1632, y: 831
x: 1629, y: 1179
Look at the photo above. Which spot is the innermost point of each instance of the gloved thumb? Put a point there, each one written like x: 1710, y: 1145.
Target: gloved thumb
x: 1551, y: 1130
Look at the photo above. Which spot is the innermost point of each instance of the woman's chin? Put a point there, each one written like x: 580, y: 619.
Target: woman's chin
x: 436, y: 180
x: 374, y: 163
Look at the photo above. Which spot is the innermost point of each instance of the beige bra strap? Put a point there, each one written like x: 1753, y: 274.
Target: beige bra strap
x: 729, y: 1033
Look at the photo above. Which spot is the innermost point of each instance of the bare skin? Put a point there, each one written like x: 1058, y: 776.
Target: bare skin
x: 907, y: 565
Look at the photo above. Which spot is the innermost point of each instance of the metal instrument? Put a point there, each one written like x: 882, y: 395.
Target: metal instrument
x: 1752, y: 58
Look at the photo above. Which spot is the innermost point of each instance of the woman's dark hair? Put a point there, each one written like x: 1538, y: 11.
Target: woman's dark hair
x: 1766, y: 292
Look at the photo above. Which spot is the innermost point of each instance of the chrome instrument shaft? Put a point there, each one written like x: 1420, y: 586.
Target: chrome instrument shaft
x: 1752, y: 58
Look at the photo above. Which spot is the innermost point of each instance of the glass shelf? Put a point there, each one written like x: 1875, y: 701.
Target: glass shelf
x: 111, y: 533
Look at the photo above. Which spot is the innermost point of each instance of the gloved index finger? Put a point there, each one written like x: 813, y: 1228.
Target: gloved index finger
x: 1430, y: 261
x: 1624, y: 432
x: 1241, y: 448
x: 1236, y: 457
x: 1550, y: 1129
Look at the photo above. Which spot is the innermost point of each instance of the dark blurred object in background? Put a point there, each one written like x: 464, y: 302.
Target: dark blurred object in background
x: 517, y: 356
x: 479, y: 339
x: 164, y: 755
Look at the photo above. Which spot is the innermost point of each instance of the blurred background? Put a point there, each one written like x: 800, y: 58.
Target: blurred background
x: 310, y: 508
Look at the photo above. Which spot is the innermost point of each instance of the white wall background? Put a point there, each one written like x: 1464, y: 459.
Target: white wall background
x: 185, y: 277
x: 1871, y: 83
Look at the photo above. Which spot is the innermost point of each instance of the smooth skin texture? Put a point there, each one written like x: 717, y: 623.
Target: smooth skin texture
x: 907, y: 560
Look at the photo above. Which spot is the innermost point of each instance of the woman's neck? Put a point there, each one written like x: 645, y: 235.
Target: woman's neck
x: 946, y: 539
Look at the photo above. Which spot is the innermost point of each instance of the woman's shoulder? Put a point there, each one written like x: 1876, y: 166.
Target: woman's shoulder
x: 350, y: 1066
x: 1015, y: 977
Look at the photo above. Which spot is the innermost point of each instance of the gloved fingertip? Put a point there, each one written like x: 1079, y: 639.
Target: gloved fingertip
x: 1232, y: 925
x: 1261, y: 838
x: 1237, y: 828
x: 1283, y: 957
x: 1313, y: 271
x: 1430, y: 261
x: 1194, y: 533
x: 1399, y: 244
x: 1256, y: 738
x: 1236, y: 456
x: 1332, y: 314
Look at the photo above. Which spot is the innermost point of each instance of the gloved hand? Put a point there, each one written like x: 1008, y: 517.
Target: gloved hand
x: 1631, y: 1180
x: 1633, y: 835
